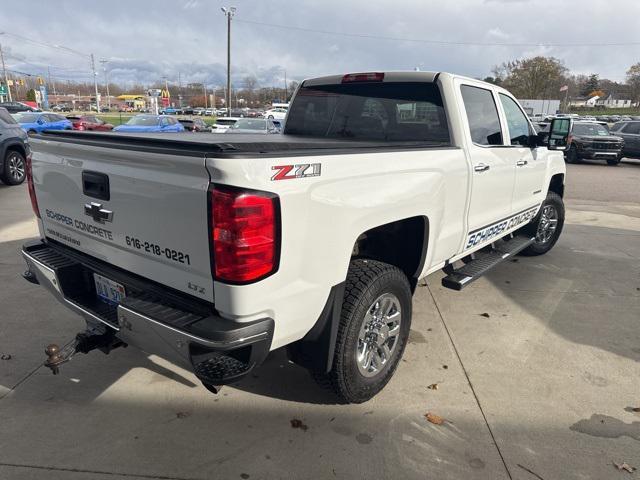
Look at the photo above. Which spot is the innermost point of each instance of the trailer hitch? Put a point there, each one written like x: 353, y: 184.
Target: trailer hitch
x: 94, y: 337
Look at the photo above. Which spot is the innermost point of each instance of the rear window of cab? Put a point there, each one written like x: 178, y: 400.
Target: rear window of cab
x: 378, y: 111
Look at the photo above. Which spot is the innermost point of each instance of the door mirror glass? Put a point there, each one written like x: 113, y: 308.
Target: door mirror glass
x: 559, y: 133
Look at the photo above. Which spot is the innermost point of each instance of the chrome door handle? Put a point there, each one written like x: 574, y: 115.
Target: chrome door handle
x: 481, y: 167
x: 521, y: 163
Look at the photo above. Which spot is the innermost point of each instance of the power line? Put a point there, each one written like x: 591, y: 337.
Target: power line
x: 438, y: 42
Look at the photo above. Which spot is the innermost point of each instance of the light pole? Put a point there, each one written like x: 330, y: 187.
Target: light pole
x: 229, y: 12
x: 106, y: 81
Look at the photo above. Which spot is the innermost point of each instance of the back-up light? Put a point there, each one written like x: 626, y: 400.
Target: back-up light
x: 363, y: 77
x: 245, y: 231
x: 30, y: 186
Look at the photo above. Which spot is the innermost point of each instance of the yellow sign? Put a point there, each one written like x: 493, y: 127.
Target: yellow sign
x: 165, y: 94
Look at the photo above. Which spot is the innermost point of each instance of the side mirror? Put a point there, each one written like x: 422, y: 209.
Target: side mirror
x: 559, y: 133
x: 40, y: 121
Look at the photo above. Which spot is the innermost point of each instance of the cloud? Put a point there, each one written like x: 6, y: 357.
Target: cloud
x: 147, y: 40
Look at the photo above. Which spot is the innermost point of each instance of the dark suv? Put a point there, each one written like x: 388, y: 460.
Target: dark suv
x: 594, y: 141
x: 630, y: 133
x: 14, y: 149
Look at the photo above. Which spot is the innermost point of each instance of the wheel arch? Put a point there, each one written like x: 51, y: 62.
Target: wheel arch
x: 556, y: 184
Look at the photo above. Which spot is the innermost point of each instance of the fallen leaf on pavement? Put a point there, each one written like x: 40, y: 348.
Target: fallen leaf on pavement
x: 435, y: 419
x: 485, y: 315
x: 433, y: 386
x: 5, y: 356
x: 295, y: 423
x: 624, y: 466
x: 183, y: 414
x: 635, y: 409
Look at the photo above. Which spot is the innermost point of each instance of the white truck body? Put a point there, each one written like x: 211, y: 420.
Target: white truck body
x: 467, y: 194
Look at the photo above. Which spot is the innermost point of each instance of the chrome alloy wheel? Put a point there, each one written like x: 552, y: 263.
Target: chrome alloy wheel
x: 379, y: 334
x: 16, y: 167
x: 547, y: 225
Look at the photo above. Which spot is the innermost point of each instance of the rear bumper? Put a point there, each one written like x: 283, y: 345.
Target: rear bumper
x: 156, y: 319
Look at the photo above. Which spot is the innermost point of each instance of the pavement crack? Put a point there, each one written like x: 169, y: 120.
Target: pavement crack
x: 473, y: 390
x: 95, y: 472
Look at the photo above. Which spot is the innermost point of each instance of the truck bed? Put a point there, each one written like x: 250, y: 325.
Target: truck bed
x: 225, y: 144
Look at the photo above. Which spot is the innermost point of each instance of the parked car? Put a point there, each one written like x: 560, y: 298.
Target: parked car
x: 223, y: 123
x: 13, y: 150
x: 171, y: 111
x: 209, y: 112
x: 150, y: 123
x: 89, y: 123
x: 194, y: 125
x: 630, y: 133
x: 61, y: 108
x: 315, y: 240
x: 593, y: 141
x: 277, y: 113
x: 198, y: 111
x: 262, y: 126
x: 17, y: 107
x: 36, y: 122
x: 187, y: 111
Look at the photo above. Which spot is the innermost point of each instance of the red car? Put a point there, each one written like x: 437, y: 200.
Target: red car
x: 89, y: 122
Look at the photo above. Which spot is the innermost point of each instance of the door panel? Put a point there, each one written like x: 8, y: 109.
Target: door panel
x: 529, y: 163
x: 492, y: 172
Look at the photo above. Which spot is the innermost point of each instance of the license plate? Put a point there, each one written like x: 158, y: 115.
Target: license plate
x: 108, y: 290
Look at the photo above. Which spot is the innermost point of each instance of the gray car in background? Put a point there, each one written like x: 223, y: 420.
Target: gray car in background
x: 630, y: 132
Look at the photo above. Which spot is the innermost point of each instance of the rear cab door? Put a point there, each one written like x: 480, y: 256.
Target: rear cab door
x: 492, y: 172
x: 630, y: 132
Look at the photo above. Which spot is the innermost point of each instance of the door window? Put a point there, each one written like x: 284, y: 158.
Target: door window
x: 482, y: 114
x: 632, y: 128
x: 516, y: 121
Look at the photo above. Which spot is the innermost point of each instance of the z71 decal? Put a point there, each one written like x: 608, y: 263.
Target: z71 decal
x: 494, y: 230
x: 289, y: 172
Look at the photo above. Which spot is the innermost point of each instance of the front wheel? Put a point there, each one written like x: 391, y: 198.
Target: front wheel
x: 546, y: 227
x: 572, y: 155
x: 373, y: 330
x: 613, y: 161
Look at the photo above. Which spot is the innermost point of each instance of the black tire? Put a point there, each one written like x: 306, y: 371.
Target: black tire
x: 540, y: 247
x: 572, y: 155
x: 613, y: 162
x: 14, y: 171
x: 367, y: 282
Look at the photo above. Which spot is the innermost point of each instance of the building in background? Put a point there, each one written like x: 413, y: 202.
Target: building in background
x: 540, y: 107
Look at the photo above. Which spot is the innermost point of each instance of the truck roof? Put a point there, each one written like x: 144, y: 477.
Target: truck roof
x: 395, y: 76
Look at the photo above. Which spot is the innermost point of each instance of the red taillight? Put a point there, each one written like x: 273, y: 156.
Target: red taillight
x: 32, y: 190
x: 569, y: 139
x: 245, y: 233
x: 363, y: 77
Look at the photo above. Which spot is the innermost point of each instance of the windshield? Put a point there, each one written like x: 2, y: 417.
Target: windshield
x: 389, y: 111
x: 144, y: 120
x: 27, y: 117
x: 590, y: 129
x: 250, y: 124
x: 225, y: 121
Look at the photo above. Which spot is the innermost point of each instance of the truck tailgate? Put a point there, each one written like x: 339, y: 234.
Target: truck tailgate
x: 143, y: 211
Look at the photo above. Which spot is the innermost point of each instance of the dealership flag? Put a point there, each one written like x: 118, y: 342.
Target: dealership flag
x: 564, y: 88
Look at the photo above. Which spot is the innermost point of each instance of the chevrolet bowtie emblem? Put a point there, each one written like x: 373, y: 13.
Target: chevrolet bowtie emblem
x: 99, y: 214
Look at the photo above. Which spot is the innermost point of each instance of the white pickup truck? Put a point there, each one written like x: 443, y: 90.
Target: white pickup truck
x: 213, y: 252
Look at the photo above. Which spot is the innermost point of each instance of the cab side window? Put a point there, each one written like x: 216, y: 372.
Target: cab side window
x: 516, y: 122
x: 482, y: 113
x: 632, y: 128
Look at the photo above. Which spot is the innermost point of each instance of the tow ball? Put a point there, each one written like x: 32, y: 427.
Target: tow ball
x: 94, y: 337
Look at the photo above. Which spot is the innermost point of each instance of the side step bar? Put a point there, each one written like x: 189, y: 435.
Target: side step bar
x: 459, y: 278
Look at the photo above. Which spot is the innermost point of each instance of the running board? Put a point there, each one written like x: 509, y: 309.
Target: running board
x: 503, y: 249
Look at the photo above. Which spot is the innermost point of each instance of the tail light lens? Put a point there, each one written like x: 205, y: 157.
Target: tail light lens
x: 363, y: 77
x: 30, y: 186
x: 245, y: 231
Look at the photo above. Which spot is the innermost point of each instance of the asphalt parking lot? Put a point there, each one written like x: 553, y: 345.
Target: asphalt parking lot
x: 537, y: 367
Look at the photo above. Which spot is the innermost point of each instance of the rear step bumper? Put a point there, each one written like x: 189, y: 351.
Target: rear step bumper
x: 157, y: 320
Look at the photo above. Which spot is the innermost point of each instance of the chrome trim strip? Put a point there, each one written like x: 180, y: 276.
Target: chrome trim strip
x: 201, y: 340
x: 84, y: 311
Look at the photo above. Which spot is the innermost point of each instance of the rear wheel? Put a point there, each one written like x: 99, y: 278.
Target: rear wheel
x: 14, y: 168
x: 373, y: 331
x: 546, y: 227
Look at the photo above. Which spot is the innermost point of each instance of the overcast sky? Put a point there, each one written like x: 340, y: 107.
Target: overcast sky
x: 145, y: 40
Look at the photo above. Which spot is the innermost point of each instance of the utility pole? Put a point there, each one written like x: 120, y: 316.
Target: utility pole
x: 179, y: 90
x: 106, y: 81
x: 4, y: 71
x: 51, y: 82
x: 286, y: 91
x: 204, y: 87
x: 229, y: 13
x: 95, y: 82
